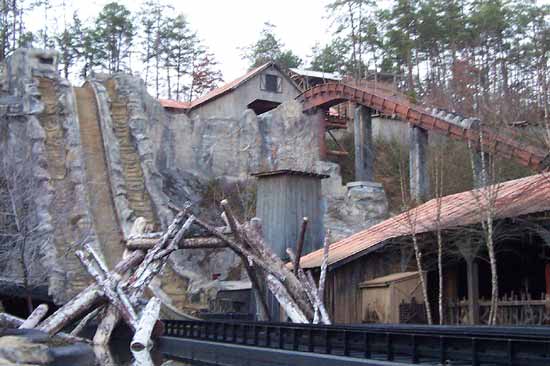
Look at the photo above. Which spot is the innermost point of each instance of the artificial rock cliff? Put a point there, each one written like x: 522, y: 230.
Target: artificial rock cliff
x: 98, y: 156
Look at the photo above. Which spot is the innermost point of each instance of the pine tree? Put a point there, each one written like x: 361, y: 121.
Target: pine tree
x: 114, y: 32
x: 270, y: 48
x: 331, y: 57
x: 69, y: 43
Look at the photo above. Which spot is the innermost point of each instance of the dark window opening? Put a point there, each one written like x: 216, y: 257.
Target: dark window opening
x: 260, y: 106
x: 271, y: 83
x: 46, y: 60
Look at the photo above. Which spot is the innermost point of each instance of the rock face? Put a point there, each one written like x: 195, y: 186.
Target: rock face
x: 281, y: 138
x: 351, y: 208
x: 41, y: 151
x: 97, y: 157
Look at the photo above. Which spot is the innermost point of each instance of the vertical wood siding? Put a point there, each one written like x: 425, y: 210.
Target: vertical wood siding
x: 282, y: 202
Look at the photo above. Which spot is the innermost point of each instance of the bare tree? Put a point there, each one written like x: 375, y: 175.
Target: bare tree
x: 410, y: 213
x: 484, y: 172
x: 20, y: 234
x: 438, y: 177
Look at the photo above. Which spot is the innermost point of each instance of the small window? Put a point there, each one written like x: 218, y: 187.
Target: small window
x: 45, y: 60
x: 271, y: 83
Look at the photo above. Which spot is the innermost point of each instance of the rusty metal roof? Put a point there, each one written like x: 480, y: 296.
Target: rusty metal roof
x: 215, y: 93
x: 513, y: 198
x: 168, y: 103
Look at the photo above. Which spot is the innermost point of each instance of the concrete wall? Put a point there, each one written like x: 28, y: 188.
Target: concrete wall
x: 234, y: 103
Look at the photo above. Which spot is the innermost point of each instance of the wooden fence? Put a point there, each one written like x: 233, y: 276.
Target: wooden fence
x: 512, y: 310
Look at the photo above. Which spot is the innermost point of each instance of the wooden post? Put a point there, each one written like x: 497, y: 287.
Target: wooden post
x: 469, y: 252
x: 300, y: 244
x: 473, y: 290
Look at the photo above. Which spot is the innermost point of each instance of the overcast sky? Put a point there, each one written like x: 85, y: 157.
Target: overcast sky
x: 227, y: 25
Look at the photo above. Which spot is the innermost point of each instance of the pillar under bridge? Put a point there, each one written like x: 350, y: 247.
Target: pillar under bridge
x: 418, y: 164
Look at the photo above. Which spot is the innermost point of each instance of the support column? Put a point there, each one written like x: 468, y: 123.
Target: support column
x: 469, y: 252
x: 418, y: 164
x: 473, y: 290
x: 364, y: 150
x: 319, y: 120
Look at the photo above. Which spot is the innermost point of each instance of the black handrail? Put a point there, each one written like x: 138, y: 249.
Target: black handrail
x: 409, y: 344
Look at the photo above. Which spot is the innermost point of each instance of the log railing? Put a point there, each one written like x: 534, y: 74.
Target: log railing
x: 512, y: 310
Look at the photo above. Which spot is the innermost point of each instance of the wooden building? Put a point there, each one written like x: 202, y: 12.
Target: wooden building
x: 522, y: 238
x: 382, y: 296
x: 261, y: 89
x: 284, y: 198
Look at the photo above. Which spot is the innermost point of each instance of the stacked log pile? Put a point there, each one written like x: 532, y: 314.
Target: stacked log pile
x: 118, y: 294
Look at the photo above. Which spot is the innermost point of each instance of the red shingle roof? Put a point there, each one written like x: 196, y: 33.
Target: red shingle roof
x: 513, y: 198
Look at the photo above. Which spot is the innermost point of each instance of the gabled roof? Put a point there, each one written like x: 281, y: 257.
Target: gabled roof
x: 218, y: 92
x: 513, y: 198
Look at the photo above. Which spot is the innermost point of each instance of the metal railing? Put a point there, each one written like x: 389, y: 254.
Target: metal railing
x: 407, y: 344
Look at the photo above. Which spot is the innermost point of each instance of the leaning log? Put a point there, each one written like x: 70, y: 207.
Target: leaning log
x: 85, y: 299
x: 116, y: 298
x: 11, y: 321
x: 111, y: 316
x: 147, y: 322
x: 106, y: 326
x: 289, y: 306
x: 320, y: 309
x: 36, y: 316
x: 287, y: 277
x: 77, y: 306
x: 266, y: 260
x: 155, y: 259
x: 84, y: 321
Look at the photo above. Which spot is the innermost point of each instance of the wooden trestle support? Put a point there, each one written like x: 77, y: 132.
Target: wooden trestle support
x: 118, y: 294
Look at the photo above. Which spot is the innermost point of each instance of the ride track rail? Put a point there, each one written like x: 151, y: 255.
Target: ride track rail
x: 408, y: 344
x: 329, y: 94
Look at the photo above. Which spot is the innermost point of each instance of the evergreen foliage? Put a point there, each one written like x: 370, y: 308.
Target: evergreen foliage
x: 270, y: 48
x: 175, y: 61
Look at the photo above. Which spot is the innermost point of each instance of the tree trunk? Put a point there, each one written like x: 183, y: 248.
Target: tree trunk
x: 418, y: 255
x: 82, y: 324
x: 71, y: 310
x: 147, y: 322
x: 36, y: 316
x: 106, y: 326
x: 278, y: 290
